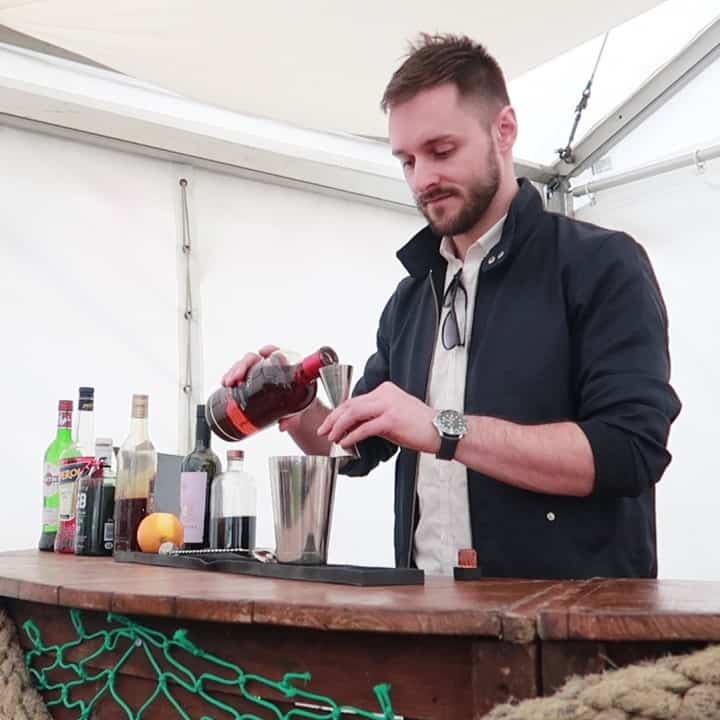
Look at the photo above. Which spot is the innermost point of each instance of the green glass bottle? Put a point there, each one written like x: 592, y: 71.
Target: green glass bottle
x: 51, y: 498
x: 197, y: 471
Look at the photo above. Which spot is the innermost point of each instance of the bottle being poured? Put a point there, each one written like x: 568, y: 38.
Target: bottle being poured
x: 273, y: 389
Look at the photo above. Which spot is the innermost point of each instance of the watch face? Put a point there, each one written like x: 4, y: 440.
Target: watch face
x: 451, y: 422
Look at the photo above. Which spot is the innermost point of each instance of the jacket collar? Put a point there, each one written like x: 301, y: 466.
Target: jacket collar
x: 422, y: 252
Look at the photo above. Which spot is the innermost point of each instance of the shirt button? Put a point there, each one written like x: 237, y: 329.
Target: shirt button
x: 491, y: 260
x: 501, y: 254
x: 550, y: 516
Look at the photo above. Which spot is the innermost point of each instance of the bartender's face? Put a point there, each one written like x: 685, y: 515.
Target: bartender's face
x: 449, y: 157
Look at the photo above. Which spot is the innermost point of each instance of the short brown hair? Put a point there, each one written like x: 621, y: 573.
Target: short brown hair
x: 439, y: 59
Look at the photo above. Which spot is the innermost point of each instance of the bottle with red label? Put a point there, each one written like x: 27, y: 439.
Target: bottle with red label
x: 75, y: 460
x: 273, y: 389
x: 51, y: 468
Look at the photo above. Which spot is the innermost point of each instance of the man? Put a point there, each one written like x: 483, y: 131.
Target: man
x: 522, y: 366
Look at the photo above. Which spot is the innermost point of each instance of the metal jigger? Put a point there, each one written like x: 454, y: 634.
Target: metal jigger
x: 336, y: 381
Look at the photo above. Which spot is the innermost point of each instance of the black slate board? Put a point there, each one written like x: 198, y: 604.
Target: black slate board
x: 238, y: 564
x: 466, y: 573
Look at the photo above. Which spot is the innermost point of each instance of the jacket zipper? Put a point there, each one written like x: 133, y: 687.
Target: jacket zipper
x: 436, y: 305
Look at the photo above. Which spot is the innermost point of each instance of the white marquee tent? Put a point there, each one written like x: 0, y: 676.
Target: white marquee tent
x: 296, y: 208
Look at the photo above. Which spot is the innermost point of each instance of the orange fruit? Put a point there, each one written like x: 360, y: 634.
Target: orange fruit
x: 157, y: 528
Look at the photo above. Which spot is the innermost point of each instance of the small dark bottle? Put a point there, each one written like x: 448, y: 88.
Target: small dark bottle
x: 273, y: 389
x: 94, y: 529
x: 196, y: 476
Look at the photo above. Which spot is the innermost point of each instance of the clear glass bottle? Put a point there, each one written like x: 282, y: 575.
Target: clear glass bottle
x: 273, y: 389
x: 136, y: 475
x: 233, y: 506
x: 197, y: 471
x: 51, y: 467
x: 74, y: 462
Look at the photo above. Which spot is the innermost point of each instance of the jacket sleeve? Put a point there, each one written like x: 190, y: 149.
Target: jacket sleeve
x: 374, y: 450
x: 625, y: 402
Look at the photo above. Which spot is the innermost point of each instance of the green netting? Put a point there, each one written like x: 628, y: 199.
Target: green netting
x: 131, y: 637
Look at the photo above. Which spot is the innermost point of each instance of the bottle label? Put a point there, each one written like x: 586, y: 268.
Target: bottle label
x: 238, y: 418
x: 50, y: 498
x: 193, y: 489
x: 66, y: 492
x: 68, y: 476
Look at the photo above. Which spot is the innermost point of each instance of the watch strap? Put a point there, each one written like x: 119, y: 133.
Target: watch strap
x: 448, y: 445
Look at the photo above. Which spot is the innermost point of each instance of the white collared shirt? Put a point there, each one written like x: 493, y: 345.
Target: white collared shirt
x: 444, y: 524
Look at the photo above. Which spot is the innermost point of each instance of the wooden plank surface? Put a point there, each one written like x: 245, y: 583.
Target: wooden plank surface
x: 515, y: 610
x: 441, y: 607
x: 635, y: 610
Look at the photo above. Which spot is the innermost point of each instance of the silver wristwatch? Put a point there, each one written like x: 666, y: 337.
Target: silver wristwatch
x: 451, y: 426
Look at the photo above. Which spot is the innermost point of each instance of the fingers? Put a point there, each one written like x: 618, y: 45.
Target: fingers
x: 238, y: 372
x: 349, y: 415
x: 372, y: 428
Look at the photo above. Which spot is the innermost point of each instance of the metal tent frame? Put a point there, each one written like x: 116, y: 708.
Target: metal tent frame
x: 28, y: 105
x: 647, y: 99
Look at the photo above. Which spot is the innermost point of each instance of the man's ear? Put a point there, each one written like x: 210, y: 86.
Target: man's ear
x: 506, y: 128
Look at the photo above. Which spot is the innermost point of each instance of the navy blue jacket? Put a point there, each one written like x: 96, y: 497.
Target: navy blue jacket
x: 569, y: 325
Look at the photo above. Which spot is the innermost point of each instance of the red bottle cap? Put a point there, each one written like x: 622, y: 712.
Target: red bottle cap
x: 65, y: 405
x: 235, y: 455
x: 467, y: 558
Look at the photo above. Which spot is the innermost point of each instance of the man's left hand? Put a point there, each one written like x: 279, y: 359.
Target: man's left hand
x: 386, y: 412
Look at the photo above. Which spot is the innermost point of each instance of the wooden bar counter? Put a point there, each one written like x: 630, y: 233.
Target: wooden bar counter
x: 449, y: 649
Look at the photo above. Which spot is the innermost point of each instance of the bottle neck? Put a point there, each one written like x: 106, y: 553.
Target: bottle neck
x: 202, y: 434
x: 309, y: 369
x: 235, y: 465
x: 139, y: 429
x: 85, y: 438
x: 64, y: 425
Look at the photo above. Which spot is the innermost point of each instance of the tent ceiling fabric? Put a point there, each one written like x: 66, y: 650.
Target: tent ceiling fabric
x: 320, y: 64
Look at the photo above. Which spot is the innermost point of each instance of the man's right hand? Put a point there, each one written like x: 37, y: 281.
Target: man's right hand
x: 303, y: 426
x: 238, y: 372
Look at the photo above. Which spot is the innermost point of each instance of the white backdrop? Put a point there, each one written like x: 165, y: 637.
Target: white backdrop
x: 88, y: 290
x: 90, y: 286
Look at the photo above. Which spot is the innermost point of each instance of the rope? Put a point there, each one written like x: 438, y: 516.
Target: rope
x: 682, y: 687
x: 187, y: 387
x: 18, y: 699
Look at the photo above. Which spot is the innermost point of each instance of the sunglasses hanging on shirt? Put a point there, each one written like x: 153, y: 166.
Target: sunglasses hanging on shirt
x: 451, y: 336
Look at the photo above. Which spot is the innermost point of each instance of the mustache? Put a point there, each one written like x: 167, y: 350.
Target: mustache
x: 434, y: 194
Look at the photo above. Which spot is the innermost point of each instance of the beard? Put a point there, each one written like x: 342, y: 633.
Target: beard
x: 477, y: 199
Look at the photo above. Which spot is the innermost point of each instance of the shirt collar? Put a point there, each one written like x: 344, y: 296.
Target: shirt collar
x: 478, y: 250
x: 421, y: 253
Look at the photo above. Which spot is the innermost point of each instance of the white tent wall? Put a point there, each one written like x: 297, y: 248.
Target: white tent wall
x: 675, y: 217
x: 92, y: 287
x: 89, y: 292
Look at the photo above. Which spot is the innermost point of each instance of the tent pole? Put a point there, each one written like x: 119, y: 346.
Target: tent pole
x: 646, y: 100
x: 697, y: 158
